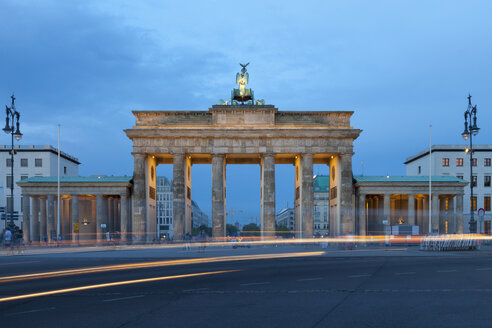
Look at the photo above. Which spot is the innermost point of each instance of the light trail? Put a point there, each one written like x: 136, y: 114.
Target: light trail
x: 50, y: 274
x: 110, y: 284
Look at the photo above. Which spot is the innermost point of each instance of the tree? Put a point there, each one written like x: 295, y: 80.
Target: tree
x: 231, y: 230
x: 251, y: 229
x: 283, y: 231
x: 196, y: 231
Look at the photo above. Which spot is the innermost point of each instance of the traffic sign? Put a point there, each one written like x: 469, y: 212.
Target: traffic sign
x: 481, y: 213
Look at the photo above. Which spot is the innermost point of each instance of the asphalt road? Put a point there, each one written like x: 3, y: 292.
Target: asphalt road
x: 306, y: 291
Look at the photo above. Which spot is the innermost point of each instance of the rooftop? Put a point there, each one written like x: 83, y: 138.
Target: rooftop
x: 38, y: 148
x: 447, y: 148
x: 406, y: 178
x: 321, y: 183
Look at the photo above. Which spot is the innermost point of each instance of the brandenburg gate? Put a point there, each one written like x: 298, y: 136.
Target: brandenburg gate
x: 242, y: 131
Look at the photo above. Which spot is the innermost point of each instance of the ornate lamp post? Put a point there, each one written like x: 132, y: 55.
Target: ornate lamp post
x: 12, y: 126
x: 471, y: 130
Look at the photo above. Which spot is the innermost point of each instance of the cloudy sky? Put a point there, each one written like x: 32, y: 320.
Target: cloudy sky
x: 400, y: 65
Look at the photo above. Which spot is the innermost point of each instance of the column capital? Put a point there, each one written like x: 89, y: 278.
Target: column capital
x: 136, y: 154
x: 218, y: 155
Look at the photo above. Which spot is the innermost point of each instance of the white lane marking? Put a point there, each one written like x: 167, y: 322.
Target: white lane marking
x: 195, y: 290
x: 256, y: 283
x: 482, y: 269
x: 446, y: 271
x: 123, y: 298
x: 309, y: 279
x: 405, y: 273
x: 359, y: 275
x: 31, y: 311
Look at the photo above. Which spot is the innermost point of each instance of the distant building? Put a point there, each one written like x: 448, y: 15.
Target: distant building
x: 321, y: 204
x: 165, y: 209
x: 198, y: 218
x: 286, y: 218
x: 30, y: 161
x: 454, y: 161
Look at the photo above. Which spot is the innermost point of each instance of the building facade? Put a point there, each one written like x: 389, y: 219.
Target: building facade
x: 30, y: 161
x: 392, y: 201
x: 286, y: 218
x: 454, y: 161
x: 198, y: 217
x: 321, y: 204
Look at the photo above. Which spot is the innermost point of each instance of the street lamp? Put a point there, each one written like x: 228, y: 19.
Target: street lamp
x: 471, y: 130
x: 12, y: 126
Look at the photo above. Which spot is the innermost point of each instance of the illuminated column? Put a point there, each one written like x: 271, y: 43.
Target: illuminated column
x: 179, y: 196
x: 51, y: 218
x: 268, y: 195
x: 347, y: 220
x: 75, y: 218
x: 218, y: 195
x: 451, y: 216
x: 307, y: 195
x: 459, y: 214
x: 387, y: 208
x: 110, y: 204
x: 100, y: 217
x: 435, y: 213
x: 26, y: 218
x: 35, y: 233
x: 362, y: 215
x: 65, y: 218
x: 139, y: 208
x: 411, y: 209
x: 43, y: 224
x: 124, y: 217
x: 425, y: 214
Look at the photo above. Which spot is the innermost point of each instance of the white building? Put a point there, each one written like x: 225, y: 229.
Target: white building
x: 286, y: 218
x: 30, y: 161
x: 454, y: 160
x: 165, y: 210
x: 164, y: 207
x: 321, y: 204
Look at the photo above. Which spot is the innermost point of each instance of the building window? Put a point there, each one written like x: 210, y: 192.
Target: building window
x: 474, y: 161
x: 474, y: 180
x: 9, y: 182
x: 23, y: 177
x: 486, y: 203
x: 64, y: 170
x: 23, y: 162
x: 38, y: 162
x: 460, y: 177
x: 420, y: 169
x: 459, y: 162
x: 9, y: 162
x: 486, y: 162
x: 486, y: 181
x: 473, y: 205
x: 445, y: 162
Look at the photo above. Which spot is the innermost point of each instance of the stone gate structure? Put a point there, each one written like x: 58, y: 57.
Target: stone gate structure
x: 242, y: 134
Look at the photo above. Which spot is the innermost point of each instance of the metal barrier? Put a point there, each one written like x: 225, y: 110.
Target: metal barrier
x: 442, y: 243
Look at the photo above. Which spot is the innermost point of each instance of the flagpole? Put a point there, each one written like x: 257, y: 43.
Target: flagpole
x: 430, y: 178
x: 58, y: 187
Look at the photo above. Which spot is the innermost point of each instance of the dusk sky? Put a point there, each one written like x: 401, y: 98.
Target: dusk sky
x: 399, y: 65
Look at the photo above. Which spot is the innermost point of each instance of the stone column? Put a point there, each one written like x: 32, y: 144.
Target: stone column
x: 124, y: 217
x: 188, y: 223
x: 139, y: 199
x: 110, y: 205
x: 362, y: 215
x: 35, y: 219
x: 218, y: 195
x: 435, y: 213
x: 459, y: 214
x: 419, y: 214
x: 75, y: 218
x: 26, y: 218
x: 51, y: 229
x: 307, y: 195
x: 65, y: 219
x: 99, y: 217
x: 411, y: 209
x: 268, y: 195
x: 387, y: 208
x: 425, y: 214
x: 179, y: 196
x: 451, y: 216
x: 347, y: 220
x: 43, y: 224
